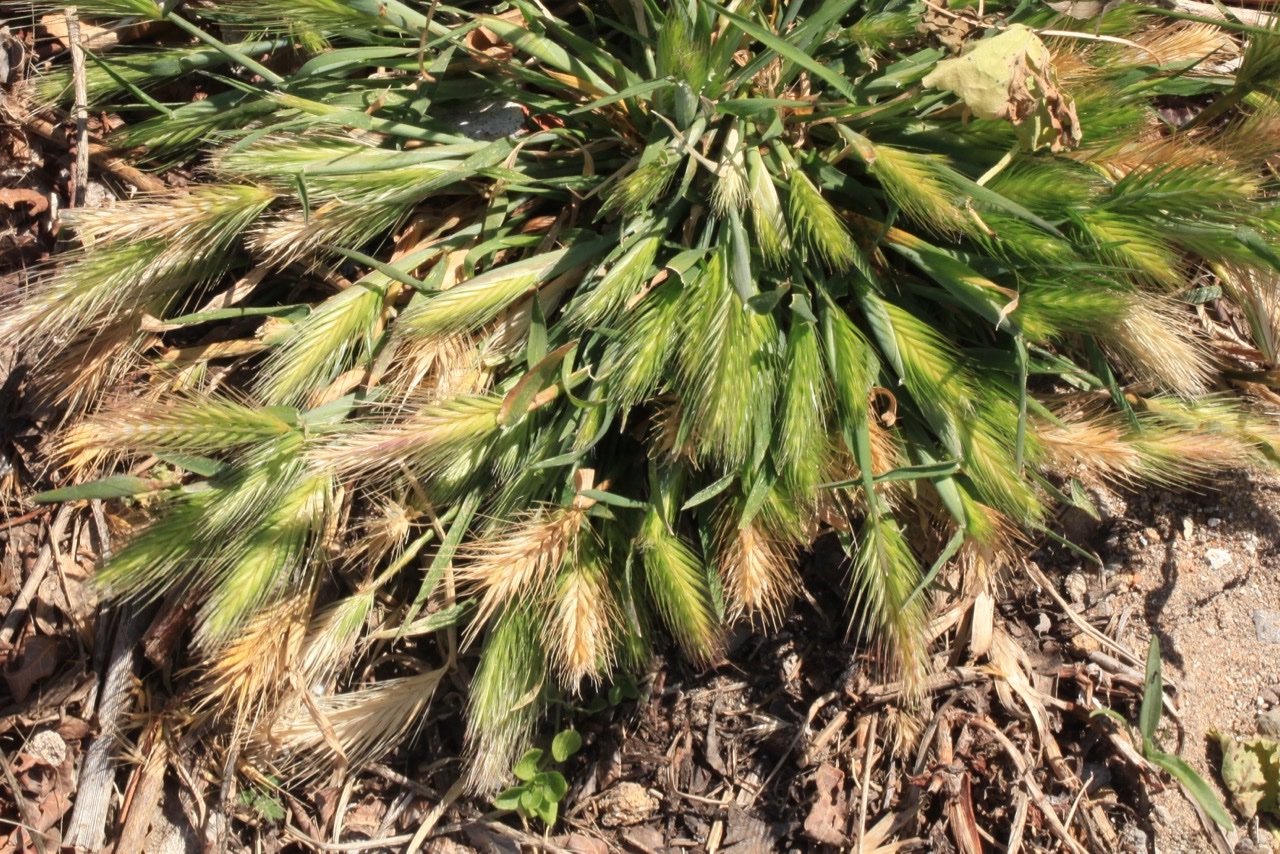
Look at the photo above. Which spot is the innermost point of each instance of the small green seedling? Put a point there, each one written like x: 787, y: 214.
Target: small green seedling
x: 263, y: 801
x: 1149, y: 721
x: 623, y: 688
x: 540, y: 791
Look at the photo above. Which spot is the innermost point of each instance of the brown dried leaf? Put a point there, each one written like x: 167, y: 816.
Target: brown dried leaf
x: 365, y: 818
x: 829, y: 815
x: 39, y: 660
x: 483, y: 41
x: 952, y: 29
x: 11, y: 198
x: 73, y: 728
x: 326, y: 804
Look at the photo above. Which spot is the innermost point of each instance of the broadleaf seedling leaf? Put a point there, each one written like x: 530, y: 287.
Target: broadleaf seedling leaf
x: 532, y: 800
x: 565, y: 744
x: 510, y: 799
x: 553, y: 785
x: 527, y: 768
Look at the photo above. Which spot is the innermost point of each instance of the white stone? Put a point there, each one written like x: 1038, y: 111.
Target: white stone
x: 1218, y: 558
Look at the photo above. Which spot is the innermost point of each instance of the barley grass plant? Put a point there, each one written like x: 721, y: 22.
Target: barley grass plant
x: 556, y: 333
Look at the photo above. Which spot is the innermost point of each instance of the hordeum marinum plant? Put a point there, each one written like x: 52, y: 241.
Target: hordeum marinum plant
x: 568, y: 329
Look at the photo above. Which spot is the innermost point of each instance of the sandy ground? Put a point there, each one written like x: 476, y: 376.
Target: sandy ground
x: 1206, y: 570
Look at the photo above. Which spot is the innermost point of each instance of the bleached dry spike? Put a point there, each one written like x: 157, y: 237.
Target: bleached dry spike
x: 246, y: 676
x: 353, y: 728
x: 1158, y: 343
x: 582, y: 627
x: 518, y: 563
x: 759, y: 574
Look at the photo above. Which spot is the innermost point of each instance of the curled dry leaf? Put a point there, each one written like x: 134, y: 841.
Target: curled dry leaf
x: 1251, y: 772
x: 1010, y: 76
x: 19, y: 196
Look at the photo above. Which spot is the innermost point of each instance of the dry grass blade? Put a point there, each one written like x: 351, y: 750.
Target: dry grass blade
x: 358, y: 726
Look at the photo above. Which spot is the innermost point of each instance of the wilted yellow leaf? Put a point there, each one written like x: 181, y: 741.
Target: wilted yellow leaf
x: 1010, y: 76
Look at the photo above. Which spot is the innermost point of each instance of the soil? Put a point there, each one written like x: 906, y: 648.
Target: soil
x: 1207, y: 570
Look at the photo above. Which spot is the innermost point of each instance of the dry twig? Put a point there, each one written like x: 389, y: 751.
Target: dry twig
x: 80, y: 176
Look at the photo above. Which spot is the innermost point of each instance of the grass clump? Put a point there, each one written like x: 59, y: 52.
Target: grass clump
x: 735, y: 277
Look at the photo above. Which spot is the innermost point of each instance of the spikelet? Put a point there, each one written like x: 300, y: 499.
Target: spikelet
x: 1257, y: 291
x: 1089, y: 443
x: 247, y: 675
x: 803, y: 448
x: 468, y: 306
x: 190, y: 422
x: 1159, y: 344
x: 727, y: 368
x: 295, y: 236
x: 918, y: 184
x: 95, y: 365
x: 813, y: 217
x: 332, y: 638
x: 142, y: 261
x: 385, y: 530
x: 435, y: 369
x: 582, y: 620
x: 767, y: 216
x: 337, y: 334
x: 605, y: 302
x: 758, y: 573
x: 885, y: 572
x: 1134, y: 244
x: 1177, y: 44
x: 677, y: 582
x: 520, y: 562
x: 1174, y: 443
x: 638, y: 191
x: 731, y: 187
x: 432, y: 439
x: 503, y: 704
x: 267, y: 560
x: 635, y: 362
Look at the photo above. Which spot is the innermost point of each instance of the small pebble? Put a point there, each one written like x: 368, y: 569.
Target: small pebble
x: 1269, y: 723
x: 1076, y: 586
x: 48, y: 747
x: 1218, y: 558
x: 1266, y: 624
x: 1133, y: 839
x: 1213, y: 521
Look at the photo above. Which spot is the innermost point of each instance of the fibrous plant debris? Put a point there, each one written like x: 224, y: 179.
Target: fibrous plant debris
x: 743, y: 276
